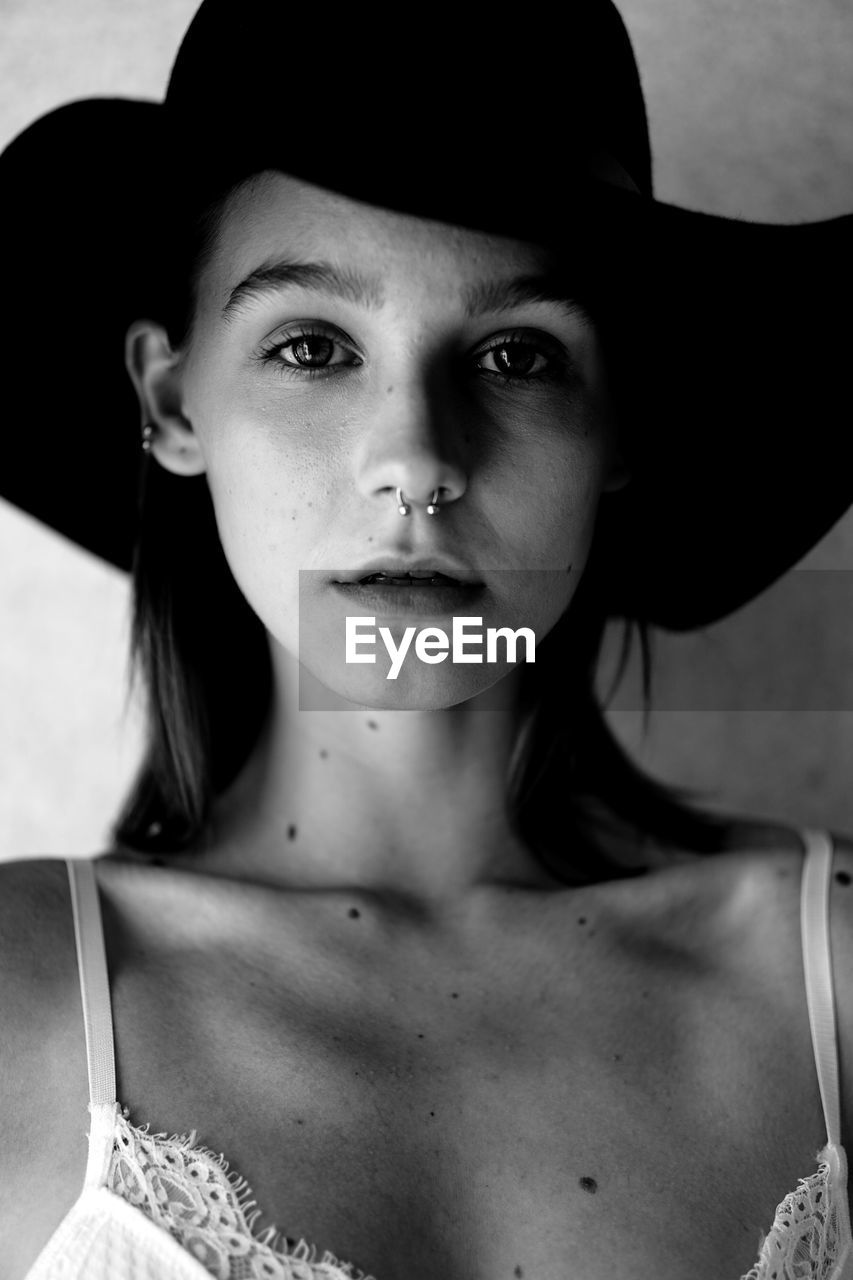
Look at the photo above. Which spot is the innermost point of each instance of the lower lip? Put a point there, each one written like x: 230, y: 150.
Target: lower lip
x: 379, y: 598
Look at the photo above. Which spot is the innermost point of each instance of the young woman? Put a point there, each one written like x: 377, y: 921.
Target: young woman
x: 445, y: 979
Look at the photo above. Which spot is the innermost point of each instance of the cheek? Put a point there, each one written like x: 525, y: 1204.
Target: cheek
x: 247, y: 489
x: 551, y: 534
x: 258, y: 461
x: 553, y: 490
x: 267, y: 468
x: 266, y: 523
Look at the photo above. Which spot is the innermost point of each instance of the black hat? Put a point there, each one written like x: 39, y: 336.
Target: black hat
x: 734, y: 337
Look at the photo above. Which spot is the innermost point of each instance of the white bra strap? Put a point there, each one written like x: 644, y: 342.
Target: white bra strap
x: 97, y: 1017
x: 94, y: 981
x: 817, y: 963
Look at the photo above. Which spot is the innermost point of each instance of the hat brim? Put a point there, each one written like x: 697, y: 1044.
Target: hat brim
x: 737, y: 420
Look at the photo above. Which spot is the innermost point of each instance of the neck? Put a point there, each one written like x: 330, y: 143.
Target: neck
x: 408, y: 804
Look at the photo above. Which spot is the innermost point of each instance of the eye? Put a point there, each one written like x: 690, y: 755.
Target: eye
x: 309, y: 351
x: 523, y: 357
x: 515, y: 359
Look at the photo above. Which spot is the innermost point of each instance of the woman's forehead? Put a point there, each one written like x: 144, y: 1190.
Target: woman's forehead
x: 273, y: 214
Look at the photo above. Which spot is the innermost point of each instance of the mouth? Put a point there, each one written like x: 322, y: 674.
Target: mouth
x: 415, y: 579
x: 418, y: 592
x: 394, y: 574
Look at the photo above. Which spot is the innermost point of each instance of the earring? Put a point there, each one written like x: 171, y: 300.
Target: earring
x: 147, y: 436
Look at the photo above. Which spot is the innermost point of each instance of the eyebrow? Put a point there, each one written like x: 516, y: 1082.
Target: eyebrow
x: 500, y: 295
x: 321, y: 277
x: 366, y: 291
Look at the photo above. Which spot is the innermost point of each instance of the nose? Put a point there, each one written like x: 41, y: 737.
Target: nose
x: 411, y: 458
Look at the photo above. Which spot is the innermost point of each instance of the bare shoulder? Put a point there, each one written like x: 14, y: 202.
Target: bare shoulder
x: 37, y: 954
x: 759, y: 856
x: 770, y: 893
x: 43, y: 1089
x: 740, y: 907
x: 39, y: 988
x: 783, y: 866
x: 35, y: 921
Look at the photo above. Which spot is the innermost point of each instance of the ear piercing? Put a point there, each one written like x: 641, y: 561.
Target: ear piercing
x: 147, y: 436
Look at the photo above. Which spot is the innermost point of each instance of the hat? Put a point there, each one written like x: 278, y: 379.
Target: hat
x: 732, y: 377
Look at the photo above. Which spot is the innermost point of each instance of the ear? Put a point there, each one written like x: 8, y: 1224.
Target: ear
x: 155, y: 371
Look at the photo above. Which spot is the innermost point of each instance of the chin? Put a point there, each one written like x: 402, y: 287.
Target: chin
x: 423, y: 688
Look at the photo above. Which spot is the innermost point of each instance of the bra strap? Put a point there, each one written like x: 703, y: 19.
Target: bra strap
x: 97, y: 1015
x: 817, y: 963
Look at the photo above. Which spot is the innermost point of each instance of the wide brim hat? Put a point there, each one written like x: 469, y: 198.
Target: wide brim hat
x: 733, y: 337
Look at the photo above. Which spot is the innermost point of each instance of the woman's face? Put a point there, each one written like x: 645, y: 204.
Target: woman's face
x: 341, y: 352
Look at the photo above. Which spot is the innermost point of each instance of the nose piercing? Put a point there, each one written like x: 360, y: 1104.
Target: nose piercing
x: 404, y: 508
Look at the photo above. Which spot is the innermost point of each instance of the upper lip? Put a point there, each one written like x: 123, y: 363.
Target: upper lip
x: 397, y: 564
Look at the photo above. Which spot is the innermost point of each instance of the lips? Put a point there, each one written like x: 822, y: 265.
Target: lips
x: 394, y: 570
x: 394, y: 597
x: 423, y: 578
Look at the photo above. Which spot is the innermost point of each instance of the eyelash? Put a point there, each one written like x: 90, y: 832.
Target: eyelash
x: 269, y: 356
x: 558, y: 369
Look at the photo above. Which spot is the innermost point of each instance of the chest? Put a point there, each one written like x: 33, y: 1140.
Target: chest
x: 580, y: 1111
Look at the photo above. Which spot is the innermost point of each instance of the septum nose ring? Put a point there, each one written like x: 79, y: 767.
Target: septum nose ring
x: 404, y: 508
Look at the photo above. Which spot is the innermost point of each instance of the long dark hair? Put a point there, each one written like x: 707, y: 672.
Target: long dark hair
x: 202, y: 658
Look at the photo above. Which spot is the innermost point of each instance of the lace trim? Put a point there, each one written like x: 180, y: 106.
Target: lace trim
x: 188, y: 1190
x: 803, y: 1243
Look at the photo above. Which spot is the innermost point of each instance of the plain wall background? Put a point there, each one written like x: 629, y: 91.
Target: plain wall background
x: 751, y: 115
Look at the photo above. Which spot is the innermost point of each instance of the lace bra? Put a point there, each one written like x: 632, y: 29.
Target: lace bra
x: 155, y: 1207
